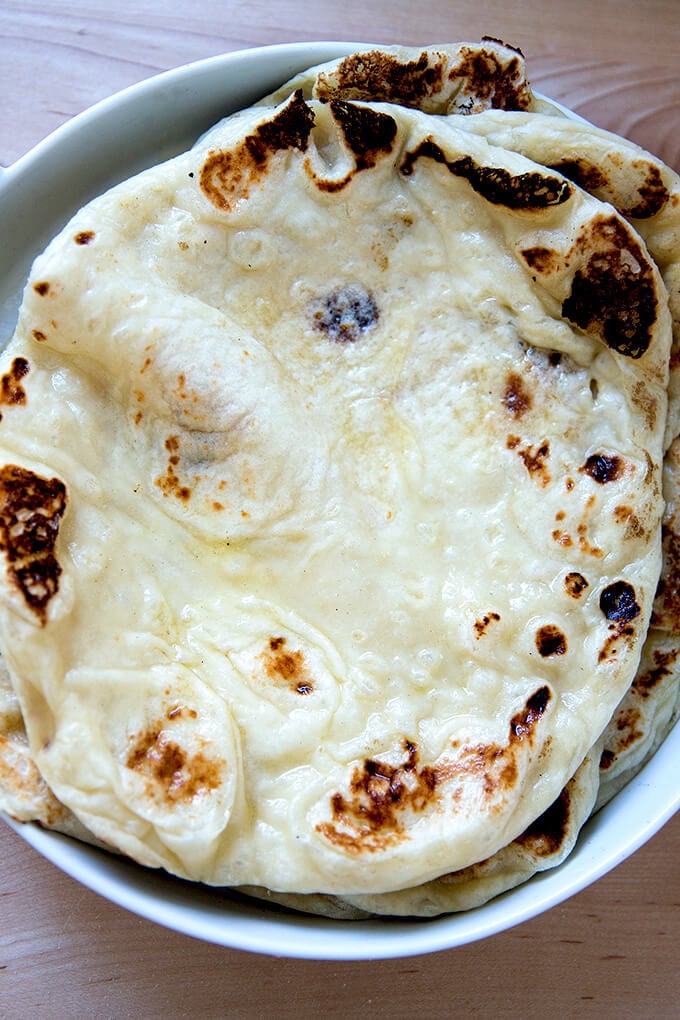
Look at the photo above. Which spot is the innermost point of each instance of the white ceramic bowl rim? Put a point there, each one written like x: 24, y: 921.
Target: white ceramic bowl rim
x: 141, y: 125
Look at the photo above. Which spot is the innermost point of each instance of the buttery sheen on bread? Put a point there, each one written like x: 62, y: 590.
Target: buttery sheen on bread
x: 331, y: 494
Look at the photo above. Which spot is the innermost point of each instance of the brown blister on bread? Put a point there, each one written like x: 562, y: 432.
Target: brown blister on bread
x: 531, y: 190
x: 368, y: 134
x: 471, y: 78
x: 517, y: 398
x: 31, y: 509
x: 172, y: 773
x: 613, y: 292
x: 664, y: 666
x: 179, y: 711
x: 587, y: 547
x: 550, y: 641
x: 652, y: 191
x: 493, y: 78
x: 373, y: 815
x: 495, y: 765
x: 534, y: 458
x: 282, y: 664
x: 370, y: 816
x: 481, y: 626
x: 649, y: 193
x: 523, y: 724
x: 618, y: 603
x: 542, y: 260
x: 628, y: 724
x: 575, y: 584
x: 625, y: 516
x: 581, y: 171
x: 546, y: 835
x: 666, y: 612
x: 613, y: 288
x: 647, y: 403
x: 604, y: 468
x: 627, y: 738
x: 378, y: 76
x: 170, y: 483
x: 227, y: 176
x: 12, y: 392
x: 627, y: 730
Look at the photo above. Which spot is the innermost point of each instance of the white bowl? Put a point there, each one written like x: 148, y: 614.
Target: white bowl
x: 116, y: 138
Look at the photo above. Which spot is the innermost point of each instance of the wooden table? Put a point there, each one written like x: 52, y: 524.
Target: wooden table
x: 611, y: 951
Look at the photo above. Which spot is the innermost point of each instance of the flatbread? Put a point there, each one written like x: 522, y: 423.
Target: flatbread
x: 544, y: 845
x: 291, y: 451
x: 459, y: 78
x: 641, y: 187
x: 650, y: 707
x: 647, y: 193
x: 24, y: 794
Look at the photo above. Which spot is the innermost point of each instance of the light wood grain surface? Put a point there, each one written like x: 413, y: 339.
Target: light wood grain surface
x: 611, y: 951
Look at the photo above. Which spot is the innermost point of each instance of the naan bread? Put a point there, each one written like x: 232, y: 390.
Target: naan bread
x: 650, y: 707
x: 459, y: 78
x: 647, y: 194
x: 317, y: 364
x: 639, y: 186
x: 545, y: 844
x: 24, y: 794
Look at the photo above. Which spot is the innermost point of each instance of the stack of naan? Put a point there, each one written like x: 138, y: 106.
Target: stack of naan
x: 338, y: 482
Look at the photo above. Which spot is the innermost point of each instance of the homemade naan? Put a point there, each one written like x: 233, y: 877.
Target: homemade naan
x: 330, y: 488
x: 24, y: 794
x: 457, y: 78
x: 647, y: 194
